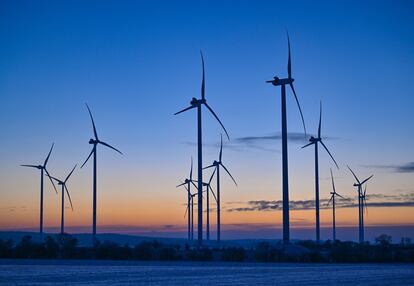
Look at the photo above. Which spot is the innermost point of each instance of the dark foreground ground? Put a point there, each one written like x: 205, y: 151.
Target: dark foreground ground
x: 92, y: 272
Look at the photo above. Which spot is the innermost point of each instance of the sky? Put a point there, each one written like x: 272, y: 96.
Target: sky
x: 136, y: 63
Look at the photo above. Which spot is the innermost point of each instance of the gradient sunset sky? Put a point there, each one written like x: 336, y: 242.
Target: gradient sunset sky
x: 137, y: 62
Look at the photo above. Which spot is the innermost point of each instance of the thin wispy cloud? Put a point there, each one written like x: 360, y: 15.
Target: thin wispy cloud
x: 261, y: 142
x: 373, y: 200
x: 395, y: 168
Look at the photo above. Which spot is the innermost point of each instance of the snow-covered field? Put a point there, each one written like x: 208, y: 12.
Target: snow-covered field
x: 49, y: 272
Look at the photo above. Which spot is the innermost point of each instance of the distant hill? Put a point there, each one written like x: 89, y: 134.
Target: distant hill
x: 236, y: 236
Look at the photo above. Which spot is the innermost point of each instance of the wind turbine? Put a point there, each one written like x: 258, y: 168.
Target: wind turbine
x: 43, y: 170
x: 208, y: 189
x: 192, y: 215
x: 187, y: 184
x: 197, y: 103
x: 64, y: 188
x: 333, y: 194
x: 361, y: 199
x: 216, y: 165
x: 285, y: 185
x: 315, y: 141
x: 364, y: 207
x: 95, y: 143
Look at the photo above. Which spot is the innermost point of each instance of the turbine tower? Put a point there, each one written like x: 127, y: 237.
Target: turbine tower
x: 364, y: 207
x: 197, y: 103
x: 192, y: 215
x: 208, y: 189
x: 187, y: 184
x: 64, y: 188
x: 216, y: 165
x: 43, y: 170
x: 361, y: 199
x: 285, y: 185
x: 333, y: 194
x: 95, y: 142
x: 315, y: 141
x: 190, y: 211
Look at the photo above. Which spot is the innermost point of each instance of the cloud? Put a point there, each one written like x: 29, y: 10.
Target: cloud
x: 401, y: 168
x: 373, y: 200
x: 292, y: 136
x: 8, y: 209
x: 260, y: 143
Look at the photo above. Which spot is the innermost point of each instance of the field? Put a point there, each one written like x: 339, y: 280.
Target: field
x: 83, y: 272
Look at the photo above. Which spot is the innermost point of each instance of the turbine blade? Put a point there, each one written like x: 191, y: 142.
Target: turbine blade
x: 329, y: 200
x: 109, y: 146
x: 366, y: 205
x: 221, y: 147
x: 326, y: 148
x: 70, y: 173
x: 48, y: 155
x: 191, y: 170
x: 93, y: 122
x: 320, y: 120
x: 203, y: 83
x: 289, y: 67
x: 214, y: 195
x: 192, y: 182
x: 300, y: 109
x: 90, y: 154
x: 50, y: 178
x: 30, y: 166
x: 367, y: 179
x: 57, y: 180
x: 354, y: 175
x: 340, y: 196
x: 208, y: 167
x: 181, y: 185
x: 311, y: 143
x: 186, y: 210
x: 70, y: 200
x: 185, y: 109
x: 333, y: 183
x: 211, y: 177
x: 212, y: 112
x: 228, y: 173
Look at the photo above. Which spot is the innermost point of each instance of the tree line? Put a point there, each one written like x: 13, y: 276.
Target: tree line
x: 65, y: 246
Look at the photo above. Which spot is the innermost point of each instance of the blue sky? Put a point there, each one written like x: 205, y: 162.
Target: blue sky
x: 136, y: 63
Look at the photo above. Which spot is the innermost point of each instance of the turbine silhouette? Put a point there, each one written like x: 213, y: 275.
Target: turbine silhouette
x: 333, y: 194
x: 315, y: 141
x: 187, y: 184
x: 64, y: 188
x: 208, y: 189
x: 43, y: 170
x: 285, y: 185
x: 197, y: 103
x: 361, y: 200
x: 95, y: 142
x: 216, y: 165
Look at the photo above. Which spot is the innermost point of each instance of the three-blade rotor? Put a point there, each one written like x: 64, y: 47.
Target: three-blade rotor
x: 96, y: 141
x: 43, y: 167
x: 217, y: 164
x: 317, y: 140
x: 289, y: 81
x: 333, y: 193
x: 198, y: 102
x: 359, y: 184
x: 189, y: 180
x: 63, y: 183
